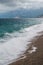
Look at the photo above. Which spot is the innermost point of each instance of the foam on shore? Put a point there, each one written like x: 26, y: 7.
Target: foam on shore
x: 14, y: 47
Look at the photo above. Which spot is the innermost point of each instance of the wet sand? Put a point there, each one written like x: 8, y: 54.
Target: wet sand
x: 34, y: 58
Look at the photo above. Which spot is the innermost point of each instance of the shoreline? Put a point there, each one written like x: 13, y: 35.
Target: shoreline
x: 34, y: 58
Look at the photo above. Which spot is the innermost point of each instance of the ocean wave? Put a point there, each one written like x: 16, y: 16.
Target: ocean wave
x: 14, y: 47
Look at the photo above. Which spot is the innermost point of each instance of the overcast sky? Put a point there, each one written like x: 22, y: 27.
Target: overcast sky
x: 10, y: 5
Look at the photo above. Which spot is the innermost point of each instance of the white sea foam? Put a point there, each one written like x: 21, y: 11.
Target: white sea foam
x: 32, y: 50
x: 14, y: 47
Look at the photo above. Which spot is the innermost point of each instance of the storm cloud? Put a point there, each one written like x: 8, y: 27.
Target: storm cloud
x: 10, y: 5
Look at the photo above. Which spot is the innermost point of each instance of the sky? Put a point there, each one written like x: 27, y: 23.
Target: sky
x: 7, y: 6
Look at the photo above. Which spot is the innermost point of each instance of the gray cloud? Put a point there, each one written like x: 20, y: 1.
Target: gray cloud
x: 7, y: 5
x: 5, y: 1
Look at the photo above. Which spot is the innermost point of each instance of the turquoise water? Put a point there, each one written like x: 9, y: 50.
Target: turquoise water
x: 14, y: 25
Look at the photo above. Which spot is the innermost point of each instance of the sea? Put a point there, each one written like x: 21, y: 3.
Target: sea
x: 15, y: 35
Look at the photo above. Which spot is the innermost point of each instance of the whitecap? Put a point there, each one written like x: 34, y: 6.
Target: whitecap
x: 14, y: 47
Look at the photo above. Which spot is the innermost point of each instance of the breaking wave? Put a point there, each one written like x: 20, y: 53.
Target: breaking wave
x: 13, y: 45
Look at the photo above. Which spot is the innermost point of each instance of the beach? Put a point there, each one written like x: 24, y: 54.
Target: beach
x: 34, y: 57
